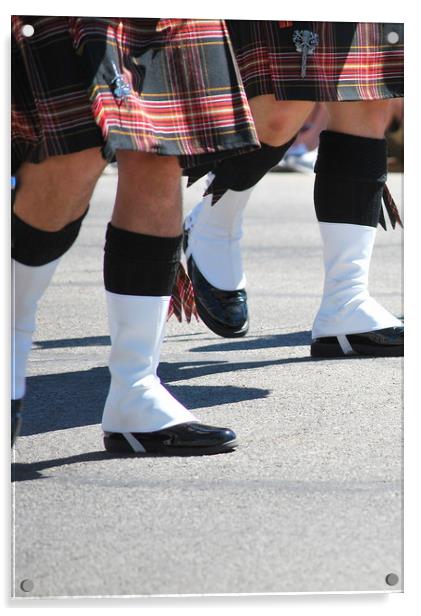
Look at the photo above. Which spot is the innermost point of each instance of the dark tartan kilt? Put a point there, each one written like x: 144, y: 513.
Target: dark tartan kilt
x: 165, y: 86
x: 352, y: 60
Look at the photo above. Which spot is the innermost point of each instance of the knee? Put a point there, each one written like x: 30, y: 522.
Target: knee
x: 276, y: 130
x: 81, y: 172
x: 57, y: 191
x: 278, y: 121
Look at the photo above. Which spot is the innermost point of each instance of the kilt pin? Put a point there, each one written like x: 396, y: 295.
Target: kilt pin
x: 320, y: 62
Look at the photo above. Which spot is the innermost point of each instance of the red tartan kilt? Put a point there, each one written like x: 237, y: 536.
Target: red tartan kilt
x: 351, y: 61
x: 180, y: 92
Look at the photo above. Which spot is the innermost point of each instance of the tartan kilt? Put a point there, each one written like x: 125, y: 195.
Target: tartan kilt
x: 164, y: 86
x: 351, y: 60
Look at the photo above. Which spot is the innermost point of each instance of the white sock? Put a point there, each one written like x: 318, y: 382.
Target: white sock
x: 137, y: 402
x: 346, y: 306
x: 28, y: 285
x: 215, y: 232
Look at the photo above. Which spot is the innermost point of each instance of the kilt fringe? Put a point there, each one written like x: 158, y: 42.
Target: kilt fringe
x: 391, y: 209
x: 182, y: 299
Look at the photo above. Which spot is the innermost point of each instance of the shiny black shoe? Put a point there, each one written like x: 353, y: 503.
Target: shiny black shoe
x: 186, y: 439
x: 224, y: 312
x: 387, y: 342
x: 16, y: 419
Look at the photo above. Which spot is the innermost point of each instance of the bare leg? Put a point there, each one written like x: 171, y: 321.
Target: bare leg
x: 360, y: 118
x: 148, y: 196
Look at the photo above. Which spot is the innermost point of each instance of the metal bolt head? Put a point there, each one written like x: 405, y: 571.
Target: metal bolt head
x: 392, y: 579
x: 28, y: 30
x: 27, y: 585
x: 392, y: 37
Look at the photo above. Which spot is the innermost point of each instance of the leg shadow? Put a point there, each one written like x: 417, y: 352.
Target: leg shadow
x: 291, y: 339
x: 76, y: 399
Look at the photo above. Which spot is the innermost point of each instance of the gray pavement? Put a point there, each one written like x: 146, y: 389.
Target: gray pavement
x: 310, y: 501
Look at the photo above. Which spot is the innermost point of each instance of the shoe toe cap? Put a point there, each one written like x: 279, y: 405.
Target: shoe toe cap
x: 202, y: 435
x: 228, y: 308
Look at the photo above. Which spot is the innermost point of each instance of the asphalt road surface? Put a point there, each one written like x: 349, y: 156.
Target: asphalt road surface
x: 310, y: 501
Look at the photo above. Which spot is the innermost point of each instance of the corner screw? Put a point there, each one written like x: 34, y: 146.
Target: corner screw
x: 27, y: 585
x: 392, y: 579
x: 28, y: 30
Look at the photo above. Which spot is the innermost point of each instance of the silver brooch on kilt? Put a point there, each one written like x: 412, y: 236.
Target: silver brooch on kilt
x: 305, y: 43
x: 121, y: 89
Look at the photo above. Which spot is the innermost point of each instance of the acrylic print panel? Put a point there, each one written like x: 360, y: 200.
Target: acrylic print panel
x: 310, y: 501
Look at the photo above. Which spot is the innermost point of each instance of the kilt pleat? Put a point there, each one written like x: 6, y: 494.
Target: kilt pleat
x: 348, y: 61
x: 163, y: 86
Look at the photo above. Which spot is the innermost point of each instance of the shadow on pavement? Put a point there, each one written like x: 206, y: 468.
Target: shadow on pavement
x: 173, y: 372
x: 73, y: 342
x: 75, y: 399
x: 33, y: 470
x: 258, y: 342
x: 248, y: 343
x: 29, y: 471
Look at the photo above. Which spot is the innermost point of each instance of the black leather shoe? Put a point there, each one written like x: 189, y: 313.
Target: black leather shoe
x: 186, y: 439
x: 387, y: 342
x: 224, y: 312
x: 16, y: 419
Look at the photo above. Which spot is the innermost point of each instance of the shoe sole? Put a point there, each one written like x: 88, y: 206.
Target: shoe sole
x: 122, y: 447
x: 218, y: 328
x: 321, y: 349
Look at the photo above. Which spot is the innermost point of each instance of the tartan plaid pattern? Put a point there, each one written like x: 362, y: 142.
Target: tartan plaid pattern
x: 165, y: 86
x: 182, y: 299
x: 352, y: 61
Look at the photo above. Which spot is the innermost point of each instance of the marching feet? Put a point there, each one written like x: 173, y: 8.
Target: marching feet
x: 140, y: 415
x: 212, y: 235
x: 350, y: 179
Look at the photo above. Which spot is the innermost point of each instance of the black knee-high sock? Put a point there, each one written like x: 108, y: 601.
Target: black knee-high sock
x: 350, y: 178
x: 34, y: 247
x: 137, y: 264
